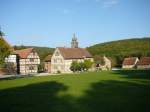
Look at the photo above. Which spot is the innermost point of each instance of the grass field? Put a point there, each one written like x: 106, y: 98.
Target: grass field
x: 107, y: 91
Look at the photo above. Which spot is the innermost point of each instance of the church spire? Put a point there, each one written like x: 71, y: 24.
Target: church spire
x: 74, y: 43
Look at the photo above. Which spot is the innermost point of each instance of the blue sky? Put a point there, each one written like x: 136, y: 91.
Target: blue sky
x: 52, y: 22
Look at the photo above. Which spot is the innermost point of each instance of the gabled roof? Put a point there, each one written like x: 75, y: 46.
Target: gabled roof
x: 129, y: 61
x: 23, y: 53
x: 144, y: 61
x: 74, y: 53
x: 48, y: 58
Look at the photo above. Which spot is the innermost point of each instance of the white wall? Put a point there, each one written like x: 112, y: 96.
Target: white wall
x: 33, y: 61
x: 143, y: 66
x: 58, y: 63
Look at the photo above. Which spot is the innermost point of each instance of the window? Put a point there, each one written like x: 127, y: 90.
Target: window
x: 31, y: 68
x: 31, y: 60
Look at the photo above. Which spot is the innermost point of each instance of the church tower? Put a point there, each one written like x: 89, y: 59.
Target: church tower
x: 74, y: 43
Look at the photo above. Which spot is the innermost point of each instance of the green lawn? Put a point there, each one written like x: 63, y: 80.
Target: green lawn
x: 107, y: 91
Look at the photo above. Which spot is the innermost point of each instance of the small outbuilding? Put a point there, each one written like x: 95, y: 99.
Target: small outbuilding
x: 144, y: 63
x: 130, y: 62
x: 106, y: 64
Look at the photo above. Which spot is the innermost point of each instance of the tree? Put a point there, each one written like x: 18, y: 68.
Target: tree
x: 119, y: 60
x: 11, y: 67
x: 81, y: 66
x: 1, y: 33
x: 41, y: 67
x: 88, y: 64
x: 5, y: 49
x: 74, y: 66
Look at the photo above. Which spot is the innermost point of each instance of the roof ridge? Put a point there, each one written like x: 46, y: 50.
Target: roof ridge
x: 74, y: 53
x: 23, y: 53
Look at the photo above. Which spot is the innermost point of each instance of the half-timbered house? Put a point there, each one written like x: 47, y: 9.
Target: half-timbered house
x: 26, y: 61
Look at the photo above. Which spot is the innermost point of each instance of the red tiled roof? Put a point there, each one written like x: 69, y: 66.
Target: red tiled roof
x: 48, y: 58
x: 23, y: 53
x: 144, y: 61
x: 74, y: 53
x: 129, y: 61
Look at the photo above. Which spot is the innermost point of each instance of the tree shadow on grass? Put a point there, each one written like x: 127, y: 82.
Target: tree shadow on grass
x: 105, y: 96
x: 41, y: 97
x: 116, y: 96
x: 15, y: 77
x: 138, y: 74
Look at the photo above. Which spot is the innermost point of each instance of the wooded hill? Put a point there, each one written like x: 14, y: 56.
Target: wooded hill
x: 117, y: 50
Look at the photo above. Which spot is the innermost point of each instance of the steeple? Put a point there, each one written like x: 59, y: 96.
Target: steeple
x: 74, y: 43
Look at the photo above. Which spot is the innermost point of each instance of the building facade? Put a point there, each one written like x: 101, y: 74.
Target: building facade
x: 62, y: 58
x: 144, y: 63
x: 47, y: 64
x: 105, y: 66
x: 130, y: 63
x: 25, y: 61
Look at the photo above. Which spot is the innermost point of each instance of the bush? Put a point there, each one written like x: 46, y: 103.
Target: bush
x: 41, y: 68
x: 58, y: 71
x: 81, y: 66
x: 74, y: 66
x: 88, y: 64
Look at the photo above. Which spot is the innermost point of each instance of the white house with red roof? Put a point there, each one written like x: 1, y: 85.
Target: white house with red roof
x: 144, y: 63
x: 130, y: 62
x: 26, y: 61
